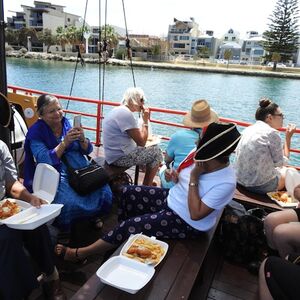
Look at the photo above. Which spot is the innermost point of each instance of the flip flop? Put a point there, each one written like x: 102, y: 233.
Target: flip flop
x: 69, y: 254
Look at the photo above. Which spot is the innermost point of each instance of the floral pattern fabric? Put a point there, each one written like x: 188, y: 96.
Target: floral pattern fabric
x: 258, y: 154
x: 144, y: 209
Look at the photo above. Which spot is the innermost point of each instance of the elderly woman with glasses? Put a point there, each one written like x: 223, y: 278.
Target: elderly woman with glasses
x: 124, y: 142
x: 51, y: 139
x: 260, y: 156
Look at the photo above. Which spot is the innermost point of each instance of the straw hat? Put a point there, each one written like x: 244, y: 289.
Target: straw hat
x: 200, y: 115
x: 219, y: 139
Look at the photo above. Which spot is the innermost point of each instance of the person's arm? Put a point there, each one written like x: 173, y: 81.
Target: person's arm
x: 198, y: 210
x: 290, y: 130
x: 275, y: 148
x: 18, y: 191
x: 140, y: 136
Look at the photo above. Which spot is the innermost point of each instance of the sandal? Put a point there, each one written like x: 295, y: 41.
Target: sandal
x: 69, y: 254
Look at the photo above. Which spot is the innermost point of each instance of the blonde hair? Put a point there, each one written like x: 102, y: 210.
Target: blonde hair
x: 133, y: 95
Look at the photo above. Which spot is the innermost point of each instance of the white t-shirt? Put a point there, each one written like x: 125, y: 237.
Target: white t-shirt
x: 216, y: 190
x: 116, y: 142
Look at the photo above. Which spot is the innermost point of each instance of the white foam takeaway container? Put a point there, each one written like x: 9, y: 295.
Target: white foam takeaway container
x: 45, y: 182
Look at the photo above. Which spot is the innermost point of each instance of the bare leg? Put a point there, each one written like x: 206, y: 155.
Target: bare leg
x: 149, y: 175
x: 276, y: 218
x: 98, y: 247
x: 264, y: 293
x: 286, y: 238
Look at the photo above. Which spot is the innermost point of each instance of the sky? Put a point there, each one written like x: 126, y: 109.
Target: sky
x: 153, y: 17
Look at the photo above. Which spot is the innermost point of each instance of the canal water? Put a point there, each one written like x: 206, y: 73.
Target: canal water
x: 232, y: 96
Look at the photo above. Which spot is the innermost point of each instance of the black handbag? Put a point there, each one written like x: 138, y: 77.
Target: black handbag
x: 87, y: 179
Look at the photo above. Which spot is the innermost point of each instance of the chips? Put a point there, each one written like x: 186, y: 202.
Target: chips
x: 8, y: 208
x: 282, y: 196
x: 145, y: 251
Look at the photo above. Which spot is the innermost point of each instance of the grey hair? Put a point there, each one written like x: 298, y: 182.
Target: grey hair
x: 133, y: 95
x: 43, y: 101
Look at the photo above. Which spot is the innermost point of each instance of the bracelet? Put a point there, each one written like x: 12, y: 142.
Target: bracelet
x: 193, y: 184
x: 63, y: 144
x: 82, y: 141
x: 144, y: 124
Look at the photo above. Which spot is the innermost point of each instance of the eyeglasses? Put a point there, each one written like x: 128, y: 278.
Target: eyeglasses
x: 279, y: 115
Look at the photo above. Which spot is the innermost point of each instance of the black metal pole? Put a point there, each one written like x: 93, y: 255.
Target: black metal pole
x: 4, y: 132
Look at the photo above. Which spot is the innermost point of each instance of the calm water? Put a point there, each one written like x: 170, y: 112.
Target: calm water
x: 232, y: 96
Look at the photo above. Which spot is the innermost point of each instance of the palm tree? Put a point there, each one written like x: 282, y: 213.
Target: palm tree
x: 61, y: 37
x: 227, y: 55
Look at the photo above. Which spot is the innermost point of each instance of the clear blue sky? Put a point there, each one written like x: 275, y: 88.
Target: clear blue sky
x: 153, y: 17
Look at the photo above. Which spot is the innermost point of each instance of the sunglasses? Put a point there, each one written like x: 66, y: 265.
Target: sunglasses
x: 279, y: 115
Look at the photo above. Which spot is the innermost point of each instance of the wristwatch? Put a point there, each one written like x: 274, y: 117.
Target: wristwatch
x: 193, y: 184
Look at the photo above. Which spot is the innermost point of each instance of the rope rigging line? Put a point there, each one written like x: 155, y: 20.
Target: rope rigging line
x: 105, y: 51
x: 129, y: 52
x: 79, y: 57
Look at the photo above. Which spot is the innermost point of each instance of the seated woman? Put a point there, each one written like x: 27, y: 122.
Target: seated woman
x: 17, y: 277
x: 185, y: 139
x: 188, y: 209
x: 282, y: 229
x: 259, y: 159
x: 124, y: 142
x: 279, y: 279
x: 50, y: 138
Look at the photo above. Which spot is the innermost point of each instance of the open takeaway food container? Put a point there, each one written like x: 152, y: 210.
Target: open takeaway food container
x: 45, y: 182
x: 128, y: 274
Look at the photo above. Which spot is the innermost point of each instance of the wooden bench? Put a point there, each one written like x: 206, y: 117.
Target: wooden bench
x: 254, y: 200
x: 113, y: 171
x: 185, y: 273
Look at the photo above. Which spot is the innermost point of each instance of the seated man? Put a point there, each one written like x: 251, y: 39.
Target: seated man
x: 17, y: 278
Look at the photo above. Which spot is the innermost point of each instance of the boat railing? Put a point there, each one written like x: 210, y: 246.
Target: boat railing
x: 99, y: 115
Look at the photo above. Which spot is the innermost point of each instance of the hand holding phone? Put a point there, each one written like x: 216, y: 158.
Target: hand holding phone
x: 77, y: 121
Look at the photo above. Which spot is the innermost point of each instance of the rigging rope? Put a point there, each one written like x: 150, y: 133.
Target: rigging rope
x: 129, y: 52
x: 79, y: 57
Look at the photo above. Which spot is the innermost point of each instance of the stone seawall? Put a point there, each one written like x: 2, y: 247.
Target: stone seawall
x: 196, y: 66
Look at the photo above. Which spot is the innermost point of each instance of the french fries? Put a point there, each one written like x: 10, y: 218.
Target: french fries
x: 8, y: 209
x: 282, y: 196
x: 145, y: 251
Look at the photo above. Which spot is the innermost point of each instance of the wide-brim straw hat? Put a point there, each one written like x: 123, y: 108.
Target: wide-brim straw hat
x: 219, y: 139
x: 200, y: 115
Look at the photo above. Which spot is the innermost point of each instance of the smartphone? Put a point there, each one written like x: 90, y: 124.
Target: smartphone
x: 77, y: 121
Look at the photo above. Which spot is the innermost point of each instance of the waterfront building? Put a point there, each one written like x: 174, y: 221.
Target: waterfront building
x: 182, y: 37
x: 252, y: 48
x: 230, y: 41
x: 43, y: 15
x: 209, y: 41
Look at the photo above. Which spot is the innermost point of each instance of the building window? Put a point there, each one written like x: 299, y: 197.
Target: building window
x: 178, y: 45
x: 226, y: 38
x: 233, y: 38
x: 184, y: 38
x: 69, y: 19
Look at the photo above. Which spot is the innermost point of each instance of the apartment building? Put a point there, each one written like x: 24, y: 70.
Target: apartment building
x: 252, y: 49
x: 41, y: 16
x: 230, y: 41
x: 182, y: 37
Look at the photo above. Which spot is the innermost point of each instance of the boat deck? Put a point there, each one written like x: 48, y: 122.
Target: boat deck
x: 230, y: 281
